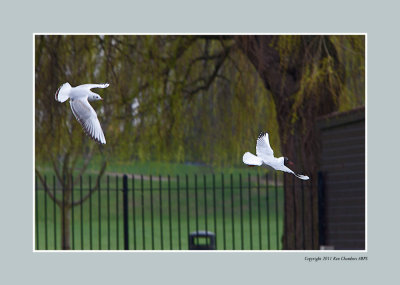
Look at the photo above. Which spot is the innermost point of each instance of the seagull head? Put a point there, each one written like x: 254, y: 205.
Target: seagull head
x: 94, y: 97
x: 287, y: 161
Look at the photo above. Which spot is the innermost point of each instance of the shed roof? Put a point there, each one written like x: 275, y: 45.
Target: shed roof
x: 341, y: 118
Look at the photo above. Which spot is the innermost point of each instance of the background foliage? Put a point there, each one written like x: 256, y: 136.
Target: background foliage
x: 172, y: 98
x: 167, y: 100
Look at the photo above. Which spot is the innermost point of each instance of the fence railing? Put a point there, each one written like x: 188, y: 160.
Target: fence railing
x: 137, y: 212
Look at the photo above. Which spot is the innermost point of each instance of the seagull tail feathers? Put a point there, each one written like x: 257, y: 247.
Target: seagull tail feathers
x: 251, y: 159
x: 62, y: 93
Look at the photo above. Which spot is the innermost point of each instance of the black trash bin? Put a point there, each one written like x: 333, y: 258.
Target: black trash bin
x: 202, y: 240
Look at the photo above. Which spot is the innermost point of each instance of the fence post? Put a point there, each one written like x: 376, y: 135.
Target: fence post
x: 125, y: 209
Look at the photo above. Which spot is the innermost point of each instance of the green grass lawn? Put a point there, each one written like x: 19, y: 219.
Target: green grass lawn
x: 238, y: 214
x: 156, y: 168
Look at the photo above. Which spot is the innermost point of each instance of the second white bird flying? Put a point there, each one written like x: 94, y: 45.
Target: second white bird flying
x: 85, y: 114
x: 265, y: 157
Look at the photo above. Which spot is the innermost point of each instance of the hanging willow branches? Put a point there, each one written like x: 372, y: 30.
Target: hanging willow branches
x: 178, y: 98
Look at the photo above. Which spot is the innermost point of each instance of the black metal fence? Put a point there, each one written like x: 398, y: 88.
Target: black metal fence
x: 139, y: 212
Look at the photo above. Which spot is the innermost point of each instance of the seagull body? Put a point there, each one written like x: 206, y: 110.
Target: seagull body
x: 85, y: 114
x: 265, y: 157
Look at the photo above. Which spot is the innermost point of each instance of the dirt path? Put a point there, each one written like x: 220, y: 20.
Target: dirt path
x: 271, y: 181
x: 138, y: 176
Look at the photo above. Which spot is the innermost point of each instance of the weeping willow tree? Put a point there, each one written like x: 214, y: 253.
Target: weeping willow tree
x: 308, y: 76
x: 191, y: 98
x: 58, y: 139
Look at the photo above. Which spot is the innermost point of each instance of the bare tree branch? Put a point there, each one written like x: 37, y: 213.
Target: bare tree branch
x: 208, y: 81
x: 86, y: 162
x: 92, y: 190
x: 46, y: 188
x: 56, y: 170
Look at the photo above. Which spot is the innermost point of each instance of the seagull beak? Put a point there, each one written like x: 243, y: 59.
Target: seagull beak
x: 290, y: 162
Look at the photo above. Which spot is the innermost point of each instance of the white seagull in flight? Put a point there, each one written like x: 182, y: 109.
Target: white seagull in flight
x: 265, y: 157
x: 85, y: 114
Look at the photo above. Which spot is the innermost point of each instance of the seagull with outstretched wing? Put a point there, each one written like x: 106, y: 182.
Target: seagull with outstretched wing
x: 85, y: 114
x: 265, y: 157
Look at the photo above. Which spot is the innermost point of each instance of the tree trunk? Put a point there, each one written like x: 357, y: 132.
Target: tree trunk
x: 66, y: 228
x: 300, y: 145
x: 66, y: 218
x: 299, y: 141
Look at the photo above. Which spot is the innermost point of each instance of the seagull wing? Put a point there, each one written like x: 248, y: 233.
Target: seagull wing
x: 304, y: 177
x: 263, y: 149
x: 87, y: 117
x: 287, y: 169
x: 90, y: 86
